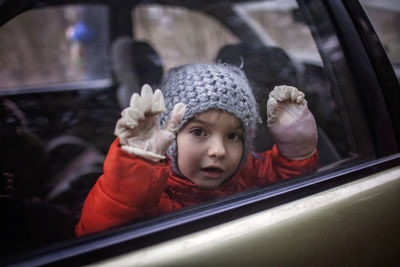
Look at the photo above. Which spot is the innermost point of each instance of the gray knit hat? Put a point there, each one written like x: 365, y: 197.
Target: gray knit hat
x: 210, y: 86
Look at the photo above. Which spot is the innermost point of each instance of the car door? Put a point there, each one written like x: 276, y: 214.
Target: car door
x: 345, y: 213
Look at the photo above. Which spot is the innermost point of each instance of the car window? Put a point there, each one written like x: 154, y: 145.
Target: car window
x: 64, y: 133
x: 76, y: 52
x: 50, y: 58
x: 169, y: 30
x: 283, y: 39
x: 385, y: 16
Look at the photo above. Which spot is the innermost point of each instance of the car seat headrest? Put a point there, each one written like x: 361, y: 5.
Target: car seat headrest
x: 134, y: 63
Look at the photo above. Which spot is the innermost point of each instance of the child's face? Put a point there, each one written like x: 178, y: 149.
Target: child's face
x: 210, y: 148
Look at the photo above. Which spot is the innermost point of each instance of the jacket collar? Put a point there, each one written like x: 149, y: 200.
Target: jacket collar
x: 188, y: 193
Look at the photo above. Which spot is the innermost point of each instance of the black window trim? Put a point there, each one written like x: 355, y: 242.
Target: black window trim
x: 96, y: 84
x: 376, y: 107
x: 383, y: 69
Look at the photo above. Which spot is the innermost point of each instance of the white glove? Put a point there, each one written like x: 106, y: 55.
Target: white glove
x: 139, y: 130
x: 291, y: 123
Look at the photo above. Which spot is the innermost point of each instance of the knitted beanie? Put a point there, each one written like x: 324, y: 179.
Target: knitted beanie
x: 210, y: 86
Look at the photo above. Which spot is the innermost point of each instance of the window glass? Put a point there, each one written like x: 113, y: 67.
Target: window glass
x: 385, y: 17
x: 63, y: 137
x: 317, y: 65
x: 53, y: 130
x: 76, y: 51
x: 180, y: 35
x: 279, y: 23
x: 283, y: 51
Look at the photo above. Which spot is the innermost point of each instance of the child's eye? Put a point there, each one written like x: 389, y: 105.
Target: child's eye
x: 234, y: 137
x: 198, y: 132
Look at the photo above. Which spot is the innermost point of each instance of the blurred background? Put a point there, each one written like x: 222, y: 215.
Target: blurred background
x: 74, y: 46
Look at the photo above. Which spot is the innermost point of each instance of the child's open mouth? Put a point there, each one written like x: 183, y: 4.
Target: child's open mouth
x: 213, y: 172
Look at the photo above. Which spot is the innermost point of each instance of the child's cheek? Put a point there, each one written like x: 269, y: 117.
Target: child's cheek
x: 186, y: 146
x: 235, y: 153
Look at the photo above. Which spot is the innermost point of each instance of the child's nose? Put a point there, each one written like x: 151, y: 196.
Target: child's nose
x: 216, y: 148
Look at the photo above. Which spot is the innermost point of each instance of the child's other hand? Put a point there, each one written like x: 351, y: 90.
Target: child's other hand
x: 290, y: 122
x: 139, y: 130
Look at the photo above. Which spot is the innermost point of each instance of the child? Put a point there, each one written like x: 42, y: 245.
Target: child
x: 212, y: 118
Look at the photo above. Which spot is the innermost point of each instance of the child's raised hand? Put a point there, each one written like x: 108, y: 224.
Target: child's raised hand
x: 290, y: 122
x: 139, y: 130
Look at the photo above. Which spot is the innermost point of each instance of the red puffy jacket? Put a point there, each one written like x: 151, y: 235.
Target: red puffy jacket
x: 132, y: 188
